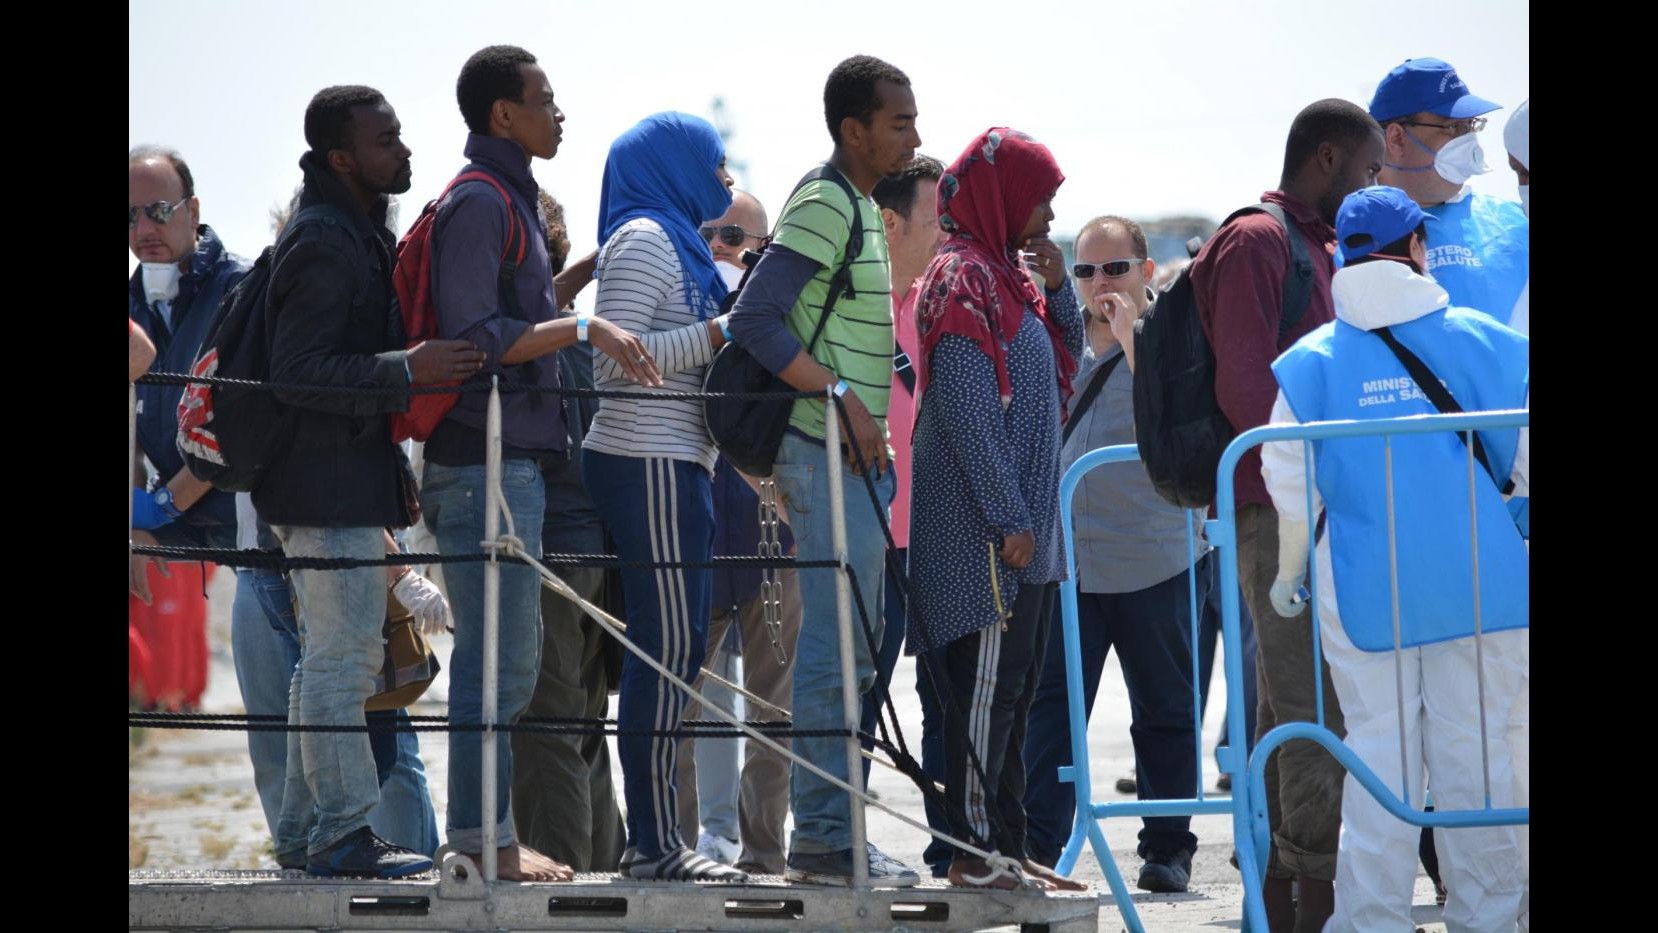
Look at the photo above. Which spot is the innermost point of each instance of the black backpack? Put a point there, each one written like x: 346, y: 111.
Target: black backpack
x: 230, y: 435
x: 749, y: 432
x: 1178, y: 423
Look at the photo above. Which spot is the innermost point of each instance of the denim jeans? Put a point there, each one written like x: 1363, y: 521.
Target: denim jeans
x: 822, y: 812
x: 404, y: 814
x: 331, y: 779
x: 452, y: 499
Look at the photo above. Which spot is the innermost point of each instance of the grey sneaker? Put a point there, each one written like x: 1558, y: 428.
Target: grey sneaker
x: 835, y: 868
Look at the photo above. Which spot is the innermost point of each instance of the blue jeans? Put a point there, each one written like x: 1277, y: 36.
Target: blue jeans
x: 1151, y: 630
x: 452, y: 499
x: 657, y: 510
x: 331, y: 781
x: 822, y: 812
x: 265, y: 622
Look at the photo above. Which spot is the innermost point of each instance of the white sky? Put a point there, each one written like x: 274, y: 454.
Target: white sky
x: 1152, y: 108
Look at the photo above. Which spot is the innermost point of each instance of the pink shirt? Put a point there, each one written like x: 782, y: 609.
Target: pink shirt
x: 901, y: 416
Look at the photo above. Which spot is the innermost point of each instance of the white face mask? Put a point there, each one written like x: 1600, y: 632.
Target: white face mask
x: 1459, y: 160
x: 160, y: 281
x: 730, y: 273
x: 1525, y: 199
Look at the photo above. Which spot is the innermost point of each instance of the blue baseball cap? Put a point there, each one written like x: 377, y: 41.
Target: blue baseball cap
x: 1379, y: 215
x: 1426, y: 85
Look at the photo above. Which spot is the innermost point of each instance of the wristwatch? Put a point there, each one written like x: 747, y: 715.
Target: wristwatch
x: 582, y: 319
x: 164, y: 500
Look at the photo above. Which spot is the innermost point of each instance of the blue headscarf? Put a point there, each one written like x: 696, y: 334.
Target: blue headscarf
x: 663, y: 168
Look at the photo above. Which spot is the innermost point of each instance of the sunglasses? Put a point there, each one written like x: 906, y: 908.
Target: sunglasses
x: 160, y: 212
x: 729, y: 234
x: 1111, y: 270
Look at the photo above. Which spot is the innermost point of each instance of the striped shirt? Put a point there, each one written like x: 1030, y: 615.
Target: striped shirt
x: 640, y: 291
x: 857, y: 341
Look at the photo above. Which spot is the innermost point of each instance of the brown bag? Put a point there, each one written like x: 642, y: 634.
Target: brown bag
x: 409, y: 667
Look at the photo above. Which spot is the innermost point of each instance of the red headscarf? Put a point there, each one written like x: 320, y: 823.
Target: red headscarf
x: 976, y: 286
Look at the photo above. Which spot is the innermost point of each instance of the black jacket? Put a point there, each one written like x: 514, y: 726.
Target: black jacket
x: 335, y: 322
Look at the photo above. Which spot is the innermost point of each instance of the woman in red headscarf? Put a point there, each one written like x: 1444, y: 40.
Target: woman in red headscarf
x: 1000, y: 337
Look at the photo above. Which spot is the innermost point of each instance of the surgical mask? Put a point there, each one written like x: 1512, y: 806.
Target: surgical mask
x: 1525, y: 199
x: 160, y: 281
x: 730, y: 273
x: 1459, y: 160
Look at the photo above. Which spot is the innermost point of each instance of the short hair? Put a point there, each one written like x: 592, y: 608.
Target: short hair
x: 853, y: 91
x: 491, y: 74
x: 897, y: 192
x: 147, y: 153
x: 328, y: 121
x: 558, y: 233
x: 1135, y: 232
x: 1331, y: 120
x: 1398, y: 249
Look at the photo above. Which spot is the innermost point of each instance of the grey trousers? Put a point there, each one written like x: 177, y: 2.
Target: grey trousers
x: 763, y: 802
x: 563, y: 796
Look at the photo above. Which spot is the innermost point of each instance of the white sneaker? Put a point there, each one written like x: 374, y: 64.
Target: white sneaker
x: 719, y: 849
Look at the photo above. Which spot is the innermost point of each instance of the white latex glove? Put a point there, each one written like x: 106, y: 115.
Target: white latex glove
x: 1292, y: 568
x: 424, y: 601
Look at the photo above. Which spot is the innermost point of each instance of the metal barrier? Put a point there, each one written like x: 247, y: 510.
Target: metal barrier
x: 1250, y: 820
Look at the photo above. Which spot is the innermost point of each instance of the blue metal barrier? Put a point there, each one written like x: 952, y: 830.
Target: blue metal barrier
x: 1248, y: 801
x: 1250, y: 822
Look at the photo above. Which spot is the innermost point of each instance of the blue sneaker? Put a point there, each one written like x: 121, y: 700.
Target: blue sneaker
x: 362, y: 854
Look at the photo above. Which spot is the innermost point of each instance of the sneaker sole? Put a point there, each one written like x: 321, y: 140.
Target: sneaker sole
x: 399, y: 872
x: 798, y: 876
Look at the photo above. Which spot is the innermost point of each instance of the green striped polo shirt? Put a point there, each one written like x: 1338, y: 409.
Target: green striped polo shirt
x: 857, y: 341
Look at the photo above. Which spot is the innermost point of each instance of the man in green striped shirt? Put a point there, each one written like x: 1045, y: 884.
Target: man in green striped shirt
x: 871, y: 113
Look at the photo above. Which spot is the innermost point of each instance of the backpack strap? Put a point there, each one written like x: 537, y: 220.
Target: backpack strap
x: 841, y: 281
x: 1441, y: 399
x: 1088, y: 395
x: 1298, y: 276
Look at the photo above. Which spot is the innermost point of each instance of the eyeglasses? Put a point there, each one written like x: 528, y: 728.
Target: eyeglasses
x: 160, y: 212
x: 729, y: 234
x: 1111, y: 270
x: 1459, y: 128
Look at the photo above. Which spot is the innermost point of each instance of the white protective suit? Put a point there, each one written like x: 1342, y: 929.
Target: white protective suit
x: 1376, y: 862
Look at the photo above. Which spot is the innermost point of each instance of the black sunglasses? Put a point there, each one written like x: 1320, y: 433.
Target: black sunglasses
x: 729, y: 234
x: 1112, y: 269
x: 160, y: 212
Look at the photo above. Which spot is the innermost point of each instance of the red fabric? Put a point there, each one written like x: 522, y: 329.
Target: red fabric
x: 984, y: 200
x: 174, y: 628
x: 1238, y: 278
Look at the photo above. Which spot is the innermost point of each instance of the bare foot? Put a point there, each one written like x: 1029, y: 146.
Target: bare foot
x: 1038, y: 870
x: 977, y: 867
x: 522, y: 863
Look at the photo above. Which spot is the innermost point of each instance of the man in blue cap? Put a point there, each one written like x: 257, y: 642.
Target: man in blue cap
x: 1394, y: 561
x: 1482, y: 244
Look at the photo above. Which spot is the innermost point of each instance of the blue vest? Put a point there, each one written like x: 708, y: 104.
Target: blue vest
x: 1479, y: 249
x: 1340, y: 372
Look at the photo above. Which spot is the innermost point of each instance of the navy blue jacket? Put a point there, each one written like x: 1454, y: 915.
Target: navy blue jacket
x: 213, y: 272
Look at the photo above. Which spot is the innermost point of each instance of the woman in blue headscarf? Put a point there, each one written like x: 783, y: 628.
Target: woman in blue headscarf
x: 648, y: 463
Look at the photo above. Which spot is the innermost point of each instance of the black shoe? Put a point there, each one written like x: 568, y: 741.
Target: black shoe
x: 1224, y: 782
x: 1128, y: 785
x: 362, y: 854
x: 1166, y: 874
x: 291, y: 861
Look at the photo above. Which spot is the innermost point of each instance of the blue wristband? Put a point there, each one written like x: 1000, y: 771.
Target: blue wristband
x: 725, y: 329
x: 840, y: 388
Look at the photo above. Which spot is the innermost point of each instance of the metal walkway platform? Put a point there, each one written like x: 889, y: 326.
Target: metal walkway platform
x: 293, y: 901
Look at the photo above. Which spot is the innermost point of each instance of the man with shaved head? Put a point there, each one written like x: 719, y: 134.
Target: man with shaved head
x: 742, y: 227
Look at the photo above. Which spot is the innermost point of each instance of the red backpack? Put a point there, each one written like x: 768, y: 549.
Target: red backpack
x: 412, y: 280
